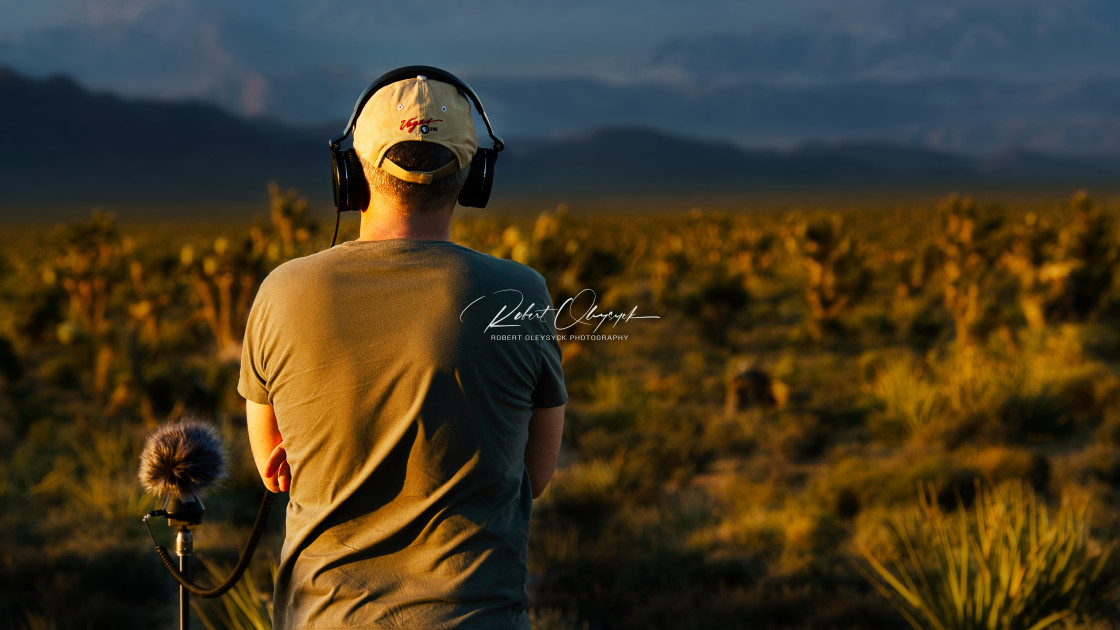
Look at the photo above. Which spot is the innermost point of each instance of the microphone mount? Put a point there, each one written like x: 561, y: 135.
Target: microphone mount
x: 179, y: 512
x: 187, y: 512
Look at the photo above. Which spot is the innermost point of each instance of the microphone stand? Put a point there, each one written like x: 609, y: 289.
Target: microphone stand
x: 184, y: 546
x: 185, y: 512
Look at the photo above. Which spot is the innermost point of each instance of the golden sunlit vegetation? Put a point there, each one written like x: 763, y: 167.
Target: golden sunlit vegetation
x: 841, y: 419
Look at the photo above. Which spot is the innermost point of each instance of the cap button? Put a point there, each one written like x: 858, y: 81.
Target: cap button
x: 421, y: 77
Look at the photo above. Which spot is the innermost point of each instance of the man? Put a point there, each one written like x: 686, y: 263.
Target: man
x: 412, y: 439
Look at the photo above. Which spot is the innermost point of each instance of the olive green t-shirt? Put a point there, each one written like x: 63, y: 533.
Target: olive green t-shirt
x: 403, y: 374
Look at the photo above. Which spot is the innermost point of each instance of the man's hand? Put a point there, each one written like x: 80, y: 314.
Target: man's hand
x: 277, y: 474
x: 268, y: 447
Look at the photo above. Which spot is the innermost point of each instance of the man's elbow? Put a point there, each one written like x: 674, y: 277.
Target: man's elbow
x: 538, y: 485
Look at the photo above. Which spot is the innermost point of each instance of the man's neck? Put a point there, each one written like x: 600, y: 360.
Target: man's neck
x: 386, y: 221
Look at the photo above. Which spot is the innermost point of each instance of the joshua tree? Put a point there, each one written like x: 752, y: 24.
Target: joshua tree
x: 837, y: 275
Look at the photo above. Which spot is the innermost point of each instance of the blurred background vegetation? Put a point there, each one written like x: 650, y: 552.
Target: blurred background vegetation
x: 845, y: 417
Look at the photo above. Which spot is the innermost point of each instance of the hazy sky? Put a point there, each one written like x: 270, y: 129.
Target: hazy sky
x: 305, y: 61
x: 237, y: 52
x: 125, y: 42
x: 184, y: 46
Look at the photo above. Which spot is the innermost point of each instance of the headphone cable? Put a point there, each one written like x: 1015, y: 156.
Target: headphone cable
x: 337, y: 219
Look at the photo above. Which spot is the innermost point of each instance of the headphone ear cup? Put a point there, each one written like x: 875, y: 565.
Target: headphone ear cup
x: 476, y: 192
x: 351, y: 191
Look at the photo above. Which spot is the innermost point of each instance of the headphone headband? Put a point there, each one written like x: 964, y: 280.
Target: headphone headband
x: 408, y: 72
x: 351, y: 191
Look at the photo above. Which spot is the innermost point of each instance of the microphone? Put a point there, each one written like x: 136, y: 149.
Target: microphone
x: 182, y: 460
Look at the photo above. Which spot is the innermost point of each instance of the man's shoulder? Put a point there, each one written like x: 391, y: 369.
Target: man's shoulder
x: 504, y: 266
x: 298, y: 271
x: 318, y: 268
x: 491, y: 273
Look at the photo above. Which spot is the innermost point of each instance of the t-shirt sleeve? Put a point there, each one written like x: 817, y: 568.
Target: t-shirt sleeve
x: 550, y: 390
x: 252, y: 385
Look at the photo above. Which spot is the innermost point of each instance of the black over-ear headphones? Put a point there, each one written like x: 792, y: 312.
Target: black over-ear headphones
x: 351, y: 191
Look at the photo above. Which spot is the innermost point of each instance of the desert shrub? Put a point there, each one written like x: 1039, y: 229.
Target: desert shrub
x: 893, y: 481
x: 611, y: 402
x: 1006, y: 564
x: 555, y: 619
x: 584, y: 488
x: 673, y: 446
x: 1101, y: 462
x: 247, y: 606
x: 100, y: 479
x: 1109, y: 430
x: 997, y: 464
x: 793, y: 436
x: 50, y: 586
x: 1043, y: 391
x: 11, y: 368
x: 1031, y: 408
x: 633, y: 569
x: 811, y: 532
x: 1088, y: 624
x: 714, y: 303
x: 62, y: 372
x: 760, y: 532
x: 555, y: 543
x: 909, y: 400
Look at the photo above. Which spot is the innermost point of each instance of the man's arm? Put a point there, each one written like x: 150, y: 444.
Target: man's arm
x: 546, y: 426
x: 268, y: 447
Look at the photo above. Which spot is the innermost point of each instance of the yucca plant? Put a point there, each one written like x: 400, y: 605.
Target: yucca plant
x: 910, y: 400
x: 1005, y: 565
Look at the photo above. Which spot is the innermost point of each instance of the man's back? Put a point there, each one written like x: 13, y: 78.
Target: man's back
x: 405, y: 425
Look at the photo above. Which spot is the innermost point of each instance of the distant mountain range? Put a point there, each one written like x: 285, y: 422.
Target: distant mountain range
x: 955, y: 114
x: 64, y: 146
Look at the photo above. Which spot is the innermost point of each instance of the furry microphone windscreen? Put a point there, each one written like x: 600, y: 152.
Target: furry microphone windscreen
x: 182, y: 459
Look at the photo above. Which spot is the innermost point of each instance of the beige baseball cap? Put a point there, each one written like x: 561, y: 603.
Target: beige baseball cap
x: 416, y: 110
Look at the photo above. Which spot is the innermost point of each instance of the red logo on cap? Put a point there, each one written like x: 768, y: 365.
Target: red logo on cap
x: 412, y: 123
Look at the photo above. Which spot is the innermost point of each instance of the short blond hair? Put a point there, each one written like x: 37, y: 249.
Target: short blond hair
x: 417, y: 156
